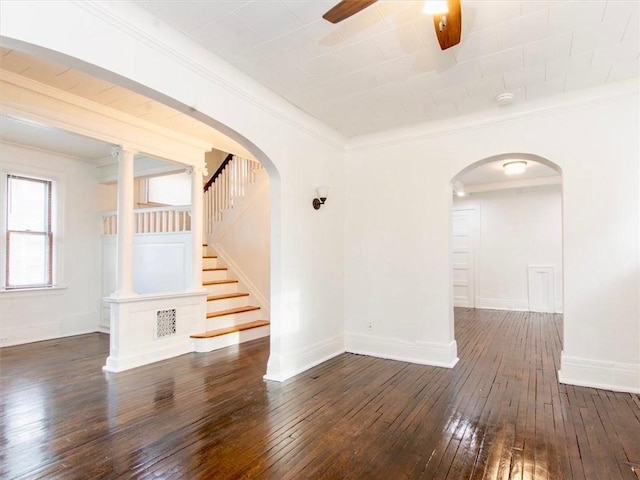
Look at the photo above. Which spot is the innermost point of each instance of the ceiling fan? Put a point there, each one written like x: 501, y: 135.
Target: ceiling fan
x: 447, y: 17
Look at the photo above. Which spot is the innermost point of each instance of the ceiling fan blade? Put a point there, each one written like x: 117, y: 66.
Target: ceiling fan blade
x: 450, y: 34
x: 345, y: 9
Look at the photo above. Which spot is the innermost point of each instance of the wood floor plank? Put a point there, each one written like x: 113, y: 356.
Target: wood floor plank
x: 499, y: 414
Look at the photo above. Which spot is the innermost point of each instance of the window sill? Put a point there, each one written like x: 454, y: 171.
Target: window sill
x: 35, y: 291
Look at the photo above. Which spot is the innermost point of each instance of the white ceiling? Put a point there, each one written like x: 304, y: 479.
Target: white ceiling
x: 101, y: 92
x: 383, y: 68
x: 44, y: 137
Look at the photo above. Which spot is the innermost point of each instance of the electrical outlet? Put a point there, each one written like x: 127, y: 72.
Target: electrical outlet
x: 370, y: 325
x: 4, y: 340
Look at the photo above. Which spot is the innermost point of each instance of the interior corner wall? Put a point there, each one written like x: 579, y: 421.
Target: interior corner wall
x: 518, y: 228
x: 307, y: 246
x: 397, y: 260
x: 29, y: 316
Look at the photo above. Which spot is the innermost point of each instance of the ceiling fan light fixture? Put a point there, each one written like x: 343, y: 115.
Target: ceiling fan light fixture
x: 435, y: 7
x: 447, y: 17
x: 515, y: 168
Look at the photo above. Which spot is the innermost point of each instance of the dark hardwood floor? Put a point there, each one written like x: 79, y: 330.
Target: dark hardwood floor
x: 499, y: 414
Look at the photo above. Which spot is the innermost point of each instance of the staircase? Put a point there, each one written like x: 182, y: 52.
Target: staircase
x: 230, y: 318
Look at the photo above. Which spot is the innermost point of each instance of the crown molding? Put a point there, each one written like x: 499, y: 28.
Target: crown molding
x: 558, y: 103
x: 90, y: 163
x: 250, y: 91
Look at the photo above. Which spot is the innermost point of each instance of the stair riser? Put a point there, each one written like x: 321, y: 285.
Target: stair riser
x: 227, y: 304
x: 209, y: 263
x: 216, y: 343
x: 222, y: 289
x: 231, y: 320
x: 213, y: 275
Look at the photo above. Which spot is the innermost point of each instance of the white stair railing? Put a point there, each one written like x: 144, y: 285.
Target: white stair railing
x: 152, y: 220
x: 228, y: 184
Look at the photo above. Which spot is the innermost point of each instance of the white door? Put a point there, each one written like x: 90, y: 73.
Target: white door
x: 464, y: 232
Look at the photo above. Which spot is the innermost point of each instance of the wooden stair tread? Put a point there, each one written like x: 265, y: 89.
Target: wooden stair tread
x: 235, y: 328
x: 219, y: 282
x: 231, y: 311
x: 224, y: 297
x: 214, y: 269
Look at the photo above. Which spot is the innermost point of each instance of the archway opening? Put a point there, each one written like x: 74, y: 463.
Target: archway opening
x: 506, y: 239
x: 231, y: 141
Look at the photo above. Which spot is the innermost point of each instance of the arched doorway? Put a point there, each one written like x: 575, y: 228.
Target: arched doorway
x: 506, y: 236
x: 244, y: 144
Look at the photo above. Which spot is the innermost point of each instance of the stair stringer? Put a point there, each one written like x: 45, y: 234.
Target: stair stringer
x: 256, y: 297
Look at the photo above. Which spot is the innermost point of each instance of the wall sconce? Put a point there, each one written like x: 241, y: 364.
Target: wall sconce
x: 321, y: 198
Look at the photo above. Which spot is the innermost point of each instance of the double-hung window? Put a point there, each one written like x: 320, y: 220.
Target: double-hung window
x: 29, y: 235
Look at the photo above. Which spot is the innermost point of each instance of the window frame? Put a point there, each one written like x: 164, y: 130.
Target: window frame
x: 47, y: 233
x: 32, y: 169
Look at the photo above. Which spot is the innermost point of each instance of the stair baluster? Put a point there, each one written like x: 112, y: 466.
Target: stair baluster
x: 225, y: 185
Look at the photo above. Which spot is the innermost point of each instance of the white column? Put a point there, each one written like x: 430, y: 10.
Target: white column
x: 197, y: 221
x: 124, y: 282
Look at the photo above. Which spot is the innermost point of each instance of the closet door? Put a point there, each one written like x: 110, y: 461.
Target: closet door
x: 463, y: 233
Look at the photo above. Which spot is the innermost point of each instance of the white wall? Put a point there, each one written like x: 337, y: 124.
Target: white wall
x: 162, y: 263
x: 73, y: 309
x: 299, y: 152
x: 518, y: 228
x: 398, y: 230
x: 172, y: 189
x: 213, y: 160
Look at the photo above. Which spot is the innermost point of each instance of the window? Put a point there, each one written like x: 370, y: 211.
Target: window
x: 169, y: 189
x: 29, y: 237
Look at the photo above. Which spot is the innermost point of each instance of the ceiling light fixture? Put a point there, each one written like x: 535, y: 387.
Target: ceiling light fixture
x: 458, y: 189
x: 437, y: 7
x: 515, y: 168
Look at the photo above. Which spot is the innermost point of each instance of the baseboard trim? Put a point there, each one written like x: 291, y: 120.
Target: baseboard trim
x: 423, y: 353
x: 618, y: 377
x: 52, y: 335
x: 506, y: 304
x: 121, y: 364
x: 304, y: 359
x: 502, y: 304
x: 104, y: 329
